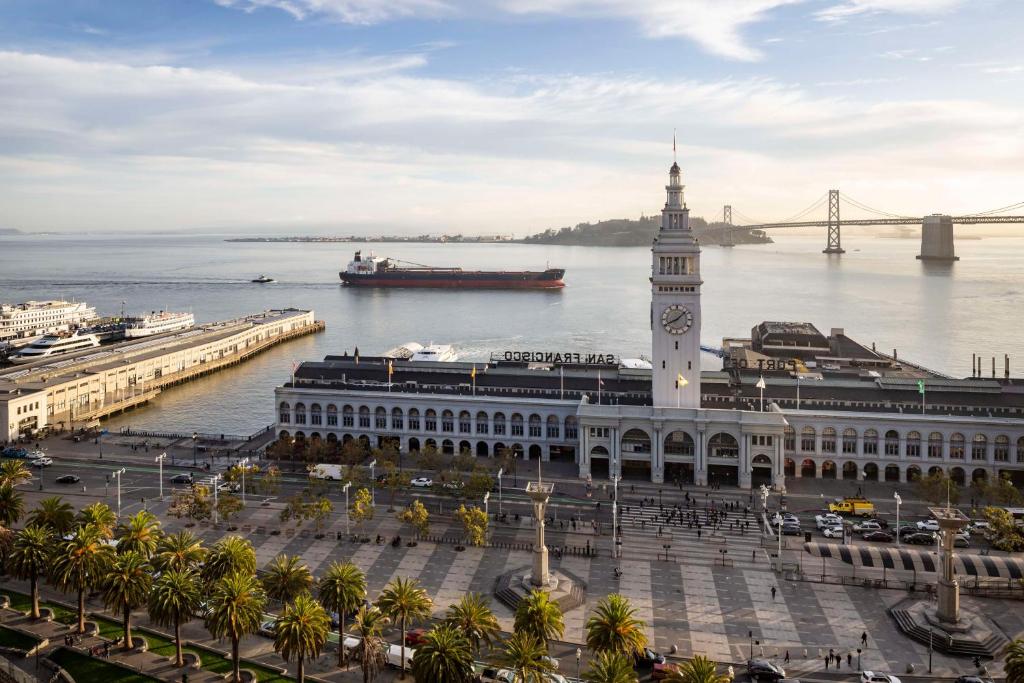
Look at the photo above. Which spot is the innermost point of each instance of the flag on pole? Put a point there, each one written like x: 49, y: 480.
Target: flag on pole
x: 680, y: 381
x: 760, y: 383
x: 472, y: 376
x: 600, y: 384
x: 920, y: 386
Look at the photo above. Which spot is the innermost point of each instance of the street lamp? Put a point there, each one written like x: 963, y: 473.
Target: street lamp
x: 373, y: 482
x: 195, y: 437
x: 615, y: 515
x: 764, y: 498
x: 213, y: 482
x: 160, y: 464
x: 780, y: 543
x: 858, y: 659
x: 750, y: 635
x: 345, y: 489
x: 243, y: 463
x: 899, y: 500
x: 118, y: 473
x: 579, y: 655
x: 501, y: 471
x: 487, y: 507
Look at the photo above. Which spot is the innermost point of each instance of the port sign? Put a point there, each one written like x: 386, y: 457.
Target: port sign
x: 556, y: 357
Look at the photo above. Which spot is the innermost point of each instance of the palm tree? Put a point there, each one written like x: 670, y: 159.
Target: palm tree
x: 369, y: 625
x: 473, y: 617
x: 175, y: 598
x: 139, y: 534
x: 99, y: 515
x: 80, y: 564
x: 610, y: 667
x: 12, y: 504
x: 30, y: 556
x: 6, y: 543
x: 285, y: 578
x: 445, y: 655
x: 228, y: 555
x: 181, y: 551
x: 54, y: 514
x: 236, y: 609
x: 614, y: 628
x: 342, y: 589
x: 1014, y: 664
x: 539, y: 616
x: 700, y: 669
x: 126, y: 587
x: 526, y: 656
x: 301, y: 631
x: 403, y: 600
x: 14, y: 472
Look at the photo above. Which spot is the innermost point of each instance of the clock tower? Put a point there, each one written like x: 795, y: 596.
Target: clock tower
x: 675, y: 303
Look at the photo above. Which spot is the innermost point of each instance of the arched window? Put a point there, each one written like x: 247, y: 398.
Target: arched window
x: 870, y: 442
x: 1020, y: 449
x: 807, y: 439
x: 571, y: 428
x: 935, y: 445
x: 447, y: 421
x: 316, y: 415
x: 347, y: 417
x: 430, y: 420
x: 535, y: 426
x: 397, y: 418
x: 465, y: 422
x: 789, y: 439
x: 553, y: 424
x: 1002, y: 448
x: 913, y: 444
x: 380, y: 418
x: 679, y: 443
x: 849, y: 440
x: 284, y: 412
x: 956, y: 446
x: 300, y: 413
x: 414, y: 422
x: 636, y: 441
x: 979, y: 447
x: 892, y: 442
x: 499, y: 424
x: 482, y: 424
x: 828, y: 440
x: 332, y: 416
x: 517, y: 424
x: 364, y: 417
x: 723, y: 445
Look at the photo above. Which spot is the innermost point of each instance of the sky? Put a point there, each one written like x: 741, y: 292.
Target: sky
x: 499, y: 116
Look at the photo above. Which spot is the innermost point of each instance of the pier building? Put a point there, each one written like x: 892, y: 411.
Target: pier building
x: 864, y: 418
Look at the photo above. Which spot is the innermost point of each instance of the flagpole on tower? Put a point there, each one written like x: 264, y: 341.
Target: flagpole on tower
x: 920, y: 387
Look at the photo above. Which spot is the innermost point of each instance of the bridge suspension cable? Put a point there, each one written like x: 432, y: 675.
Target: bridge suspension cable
x: 739, y: 214
x: 817, y: 204
x: 864, y: 207
x: 1009, y: 207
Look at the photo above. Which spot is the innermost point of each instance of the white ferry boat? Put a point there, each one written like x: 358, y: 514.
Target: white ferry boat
x: 158, y: 323
x: 36, y: 318
x: 55, y: 345
x: 441, y: 353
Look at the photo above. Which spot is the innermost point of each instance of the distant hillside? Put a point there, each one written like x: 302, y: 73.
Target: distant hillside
x: 10, y: 231
x: 626, y: 232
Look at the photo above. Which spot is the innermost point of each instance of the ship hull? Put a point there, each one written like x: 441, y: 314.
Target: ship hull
x: 548, y: 279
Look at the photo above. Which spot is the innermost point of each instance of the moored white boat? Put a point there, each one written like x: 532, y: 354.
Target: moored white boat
x: 158, y: 323
x: 55, y: 345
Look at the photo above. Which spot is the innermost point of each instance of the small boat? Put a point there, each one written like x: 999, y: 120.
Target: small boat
x: 263, y: 279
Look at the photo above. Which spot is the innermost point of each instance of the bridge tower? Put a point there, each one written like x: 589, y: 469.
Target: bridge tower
x: 835, y: 245
x: 727, y: 240
x: 937, y: 239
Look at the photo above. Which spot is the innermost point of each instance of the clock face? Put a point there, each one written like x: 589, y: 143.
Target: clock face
x: 676, y: 319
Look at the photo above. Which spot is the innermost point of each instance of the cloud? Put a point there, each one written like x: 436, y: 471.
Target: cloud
x: 347, y: 11
x: 850, y: 8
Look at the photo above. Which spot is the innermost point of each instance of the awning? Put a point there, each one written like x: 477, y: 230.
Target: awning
x: 912, y: 560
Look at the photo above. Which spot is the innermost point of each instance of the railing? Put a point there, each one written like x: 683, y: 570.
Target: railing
x: 204, y: 436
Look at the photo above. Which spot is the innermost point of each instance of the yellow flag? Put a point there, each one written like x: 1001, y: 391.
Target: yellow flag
x: 472, y: 374
x: 680, y: 381
x: 391, y: 368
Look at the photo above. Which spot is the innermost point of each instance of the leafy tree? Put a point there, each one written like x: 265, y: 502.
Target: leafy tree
x: 140, y: 534
x: 404, y: 600
x: 474, y: 522
x: 1003, y: 532
x: 30, y: 558
x: 286, y: 577
x: 54, y: 514
x: 700, y: 669
x: 370, y: 653
x: 394, y: 479
x: 294, y: 509
x: 933, y: 488
x: 541, y: 617
x: 478, y: 483
x: 362, y: 507
x: 14, y: 472
x: 236, y: 610
x: 999, y: 491
x: 444, y: 655
x: 12, y: 504
x: 342, y: 589
x: 228, y: 555
x: 300, y: 633
x: 527, y: 657
x: 180, y: 551
x: 610, y: 667
x: 100, y: 516
x: 175, y: 597
x: 269, y: 482
x: 416, y: 515
x: 429, y: 458
x: 465, y: 461
x: 1014, y: 662
x: 228, y: 506
x: 126, y: 586
x: 473, y: 617
x: 613, y: 627
x: 6, y: 543
x: 319, y: 510
x: 81, y: 563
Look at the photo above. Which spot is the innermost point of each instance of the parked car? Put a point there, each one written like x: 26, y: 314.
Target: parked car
x: 648, y: 658
x: 907, y: 529
x: 791, y: 529
x: 784, y: 518
x: 415, y: 637
x: 866, y: 526
x: 921, y: 538
x: 68, y: 479
x: 14, y: 452
x: 828, y: 519
x: 879, y: 536
x: 229, y: 487
x: 267, y: 628
x: 44, y: 461
x: 961, y: 541
x: 835, y: 531
x: 763, y: 670
x: 185, y: 478
x: 876, y: 677
x: 422, y: 482
x: 977, y: 525
x: 928, y: 525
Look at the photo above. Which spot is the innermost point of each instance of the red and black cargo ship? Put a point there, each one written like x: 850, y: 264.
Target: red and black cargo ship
x: 373, y: 271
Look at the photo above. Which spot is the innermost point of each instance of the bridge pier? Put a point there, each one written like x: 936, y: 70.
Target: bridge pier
x: 937, y: 239
x: 835, y: 242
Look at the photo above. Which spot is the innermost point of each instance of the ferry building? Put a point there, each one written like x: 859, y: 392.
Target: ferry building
x: 788, y: 402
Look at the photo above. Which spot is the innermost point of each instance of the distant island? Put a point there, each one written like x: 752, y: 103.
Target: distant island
x: 626, y: 232
x: 472, y: 239
x: 10, y: 231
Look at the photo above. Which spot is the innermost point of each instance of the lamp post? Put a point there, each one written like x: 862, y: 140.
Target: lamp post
x: 780, y: 543
x: 242, y: 464
x: 899, y: 500
x: 373, y: 484
x: 160, y: 469
x: 858, y: 659
x: 345, y: 489
x: 118, y: 473
x: 487, y: 507
x: 195, y: 437
x: 615, y: 514
x: 798, y: 391
x: 764, y: 498
x: 750, y: 635
x: 501, y: 471
x: 579, y: 655
x: 213, y: 482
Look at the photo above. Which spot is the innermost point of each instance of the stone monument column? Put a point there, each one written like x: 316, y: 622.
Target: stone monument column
x: 539, y: 493
x: 950, y: 521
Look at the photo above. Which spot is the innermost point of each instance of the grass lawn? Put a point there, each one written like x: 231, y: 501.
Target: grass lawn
x: 84, y: 668
x: 17, y: 640
x: 23, y: 603
x: 211, y: 660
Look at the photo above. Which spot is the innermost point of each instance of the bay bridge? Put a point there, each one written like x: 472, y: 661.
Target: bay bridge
x: 936, y: 229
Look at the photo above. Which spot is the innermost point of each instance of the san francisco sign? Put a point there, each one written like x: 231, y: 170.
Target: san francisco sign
x: 555, y: 357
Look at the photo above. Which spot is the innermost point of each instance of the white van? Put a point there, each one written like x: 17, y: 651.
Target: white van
x: 326, y: 471
x: 395, y: 656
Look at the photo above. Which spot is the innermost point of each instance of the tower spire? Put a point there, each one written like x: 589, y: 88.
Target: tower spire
x: 673, y: 145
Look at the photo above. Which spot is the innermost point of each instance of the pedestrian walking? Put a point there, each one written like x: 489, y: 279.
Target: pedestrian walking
x: 698, y: 533
x: 753, y: 556
x: 787, y: 657
x: 773, y: 592
x: 849, y: 659
x: 864, y: 638
x: 828, y: 660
